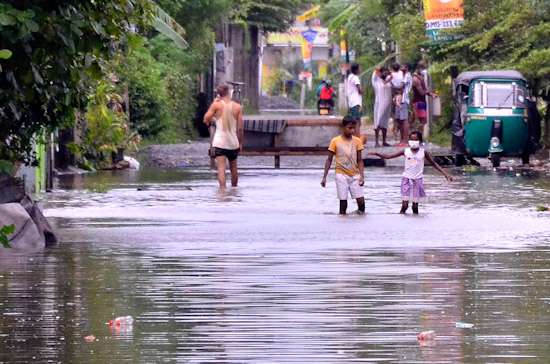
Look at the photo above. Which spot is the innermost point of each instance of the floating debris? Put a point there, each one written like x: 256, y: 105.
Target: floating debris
x: 426, y: 335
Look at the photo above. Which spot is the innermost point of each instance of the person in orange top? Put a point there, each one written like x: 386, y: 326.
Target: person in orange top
x: 349, y: 166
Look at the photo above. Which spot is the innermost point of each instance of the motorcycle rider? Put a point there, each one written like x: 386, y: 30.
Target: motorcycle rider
x: 326, y: 96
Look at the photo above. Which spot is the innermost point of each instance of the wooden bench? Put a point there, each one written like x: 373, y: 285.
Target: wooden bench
x: 278, y: 146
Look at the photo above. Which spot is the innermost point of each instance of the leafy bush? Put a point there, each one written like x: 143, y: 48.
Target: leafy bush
x: 161, y: 89
x: 275, y: 82
x: 177, y: 68
x: 141, y: 73
x: 57, y: 50
x: 104, y: 129
x: 5, y: 232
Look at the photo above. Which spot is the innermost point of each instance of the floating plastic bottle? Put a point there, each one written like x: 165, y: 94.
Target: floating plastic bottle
x: 464, y: 325
x: 123, y: 321
x: 426, y: 335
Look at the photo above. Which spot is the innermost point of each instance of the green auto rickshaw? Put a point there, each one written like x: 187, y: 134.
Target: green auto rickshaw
x: 491, y: 116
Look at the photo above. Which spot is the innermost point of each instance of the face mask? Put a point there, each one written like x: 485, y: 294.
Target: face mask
x: 414, y: 144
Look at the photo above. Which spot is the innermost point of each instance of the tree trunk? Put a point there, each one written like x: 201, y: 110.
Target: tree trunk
x: 547, y: 124
x: 245, y: 50
x: 252, y: 71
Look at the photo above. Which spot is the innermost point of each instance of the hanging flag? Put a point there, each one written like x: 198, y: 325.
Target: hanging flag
x: 442, y: 15
x: 307, y: 46
x: 343, y: 46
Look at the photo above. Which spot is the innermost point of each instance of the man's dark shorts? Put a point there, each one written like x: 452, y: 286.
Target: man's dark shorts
x: 230, y: 154
x: 355, y: 113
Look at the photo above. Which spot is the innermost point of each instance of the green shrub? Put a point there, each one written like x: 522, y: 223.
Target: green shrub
x: 149, y: 108
x: 5, y: 232
x: 161, y: 89
x: 104, y: 129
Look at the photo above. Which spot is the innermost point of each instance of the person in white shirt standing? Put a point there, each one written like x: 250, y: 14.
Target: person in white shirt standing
x: 354, y: 93
x: 397, y: 85
x: 227, y: 142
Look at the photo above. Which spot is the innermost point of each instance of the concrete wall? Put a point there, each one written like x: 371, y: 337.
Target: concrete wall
x: 28, y: 174
x: 307, y: 136
x: 294, y: 136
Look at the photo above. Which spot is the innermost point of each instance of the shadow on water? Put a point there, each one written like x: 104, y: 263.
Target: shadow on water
x: 268, y: 272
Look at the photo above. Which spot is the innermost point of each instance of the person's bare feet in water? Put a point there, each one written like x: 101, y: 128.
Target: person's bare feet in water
x: 404, y: 207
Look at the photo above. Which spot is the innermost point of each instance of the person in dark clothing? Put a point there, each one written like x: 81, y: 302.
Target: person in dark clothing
x: 534, y: 120
x: 202, y: 108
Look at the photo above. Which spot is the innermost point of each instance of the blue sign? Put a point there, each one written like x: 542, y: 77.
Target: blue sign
x: 309, y: 35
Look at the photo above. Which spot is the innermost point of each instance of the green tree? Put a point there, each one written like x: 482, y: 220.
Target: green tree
x: 503, y: 34
x: 269, y: 15
x: 142, y: 74
x: 57, y: 50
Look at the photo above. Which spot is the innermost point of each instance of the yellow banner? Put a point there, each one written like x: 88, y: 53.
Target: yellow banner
x: 309, y: 14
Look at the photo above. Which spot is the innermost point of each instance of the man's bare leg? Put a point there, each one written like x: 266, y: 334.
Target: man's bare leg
x: 384, y: 137
x: 234, y: 173
x: 220, y: 164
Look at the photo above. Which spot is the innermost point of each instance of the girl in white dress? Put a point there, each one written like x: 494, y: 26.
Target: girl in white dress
x: 412, y: 181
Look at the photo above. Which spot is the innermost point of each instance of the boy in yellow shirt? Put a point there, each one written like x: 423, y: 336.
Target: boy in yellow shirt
x: 349, y: 166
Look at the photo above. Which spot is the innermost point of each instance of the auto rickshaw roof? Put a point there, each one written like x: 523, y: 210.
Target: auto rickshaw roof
x: 465, y: 78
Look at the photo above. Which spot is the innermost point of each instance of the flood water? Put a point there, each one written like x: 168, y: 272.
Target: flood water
x: 269, y: 272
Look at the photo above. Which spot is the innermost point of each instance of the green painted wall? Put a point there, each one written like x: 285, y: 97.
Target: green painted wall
x: 40, y: 180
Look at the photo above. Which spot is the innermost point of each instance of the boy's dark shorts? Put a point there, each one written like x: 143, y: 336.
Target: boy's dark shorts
x: 231, y: 154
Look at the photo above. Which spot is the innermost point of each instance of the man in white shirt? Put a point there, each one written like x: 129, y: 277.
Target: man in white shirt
x: 354, y: 93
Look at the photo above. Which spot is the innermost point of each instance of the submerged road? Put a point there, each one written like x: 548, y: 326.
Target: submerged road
x: 268, y: 272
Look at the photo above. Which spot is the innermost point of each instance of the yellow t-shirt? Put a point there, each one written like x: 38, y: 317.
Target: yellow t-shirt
x: 346, y: 154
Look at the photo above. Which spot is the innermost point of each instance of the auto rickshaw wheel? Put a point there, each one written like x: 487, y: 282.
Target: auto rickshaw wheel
x: 495, y: 159
x: 460, y: 160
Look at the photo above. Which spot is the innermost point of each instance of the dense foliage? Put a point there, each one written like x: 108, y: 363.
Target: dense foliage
x: 104, y: 128
x: 158, y: 77
x: 516, y: 35
x: 57, y: 50
x: 269, y: 15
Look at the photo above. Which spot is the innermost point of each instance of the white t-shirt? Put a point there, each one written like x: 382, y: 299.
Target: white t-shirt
x: 397, y: 79
x: 414, y: 164
x: 352, y: 93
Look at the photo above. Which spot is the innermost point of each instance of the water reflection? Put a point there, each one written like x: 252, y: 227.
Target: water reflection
x: 266, y: 273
